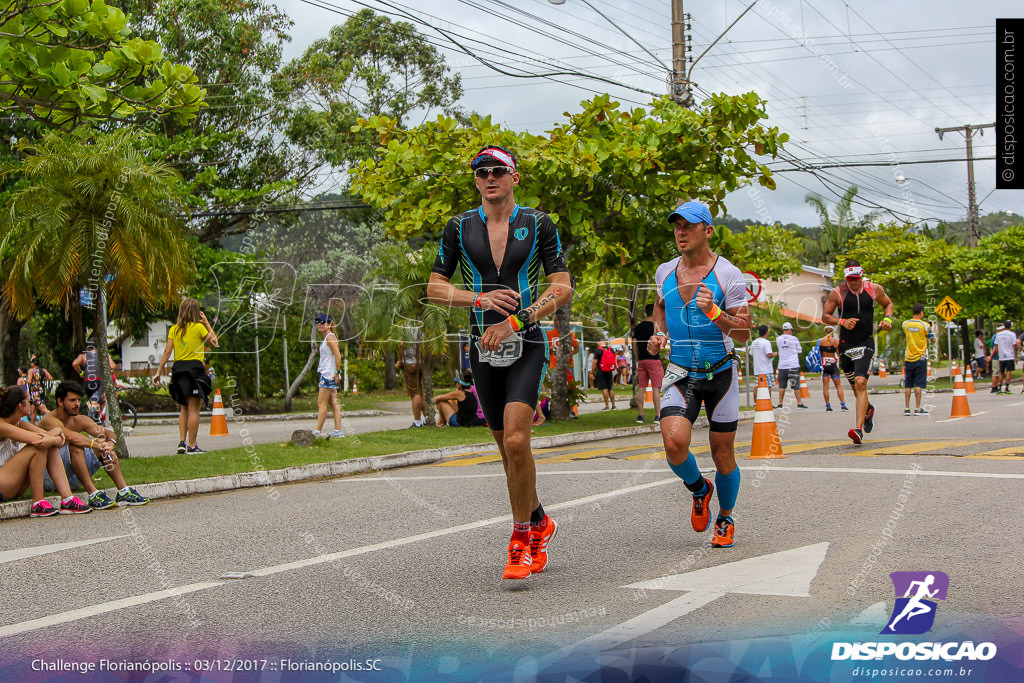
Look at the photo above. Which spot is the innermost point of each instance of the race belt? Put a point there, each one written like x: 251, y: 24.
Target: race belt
x: 674, y: 372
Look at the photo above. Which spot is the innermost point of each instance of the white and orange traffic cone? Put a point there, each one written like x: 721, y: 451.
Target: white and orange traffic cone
x: 952, y: 369
x: 882, y: 372
x: 930, y: 370
x: 960, y: 406
x: 649, y: 396
x: 805, y: 391
x: 969, y: 381
x: 765, y: 443
x: 219, y: 422
x: 355, y: 389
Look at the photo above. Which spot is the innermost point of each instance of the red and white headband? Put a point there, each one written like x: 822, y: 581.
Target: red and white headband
x: 496, y: 153
x: 853, y: 271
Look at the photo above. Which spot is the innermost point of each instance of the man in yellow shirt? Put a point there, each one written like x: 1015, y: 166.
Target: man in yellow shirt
x: 915, y: 364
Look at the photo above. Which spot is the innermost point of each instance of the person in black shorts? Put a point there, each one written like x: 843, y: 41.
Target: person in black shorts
x: 854, y: 301
x: 829, y: 347
x: 499, y: 249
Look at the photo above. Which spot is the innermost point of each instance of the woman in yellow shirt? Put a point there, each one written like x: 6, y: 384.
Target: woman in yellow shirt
x: 190, y: 385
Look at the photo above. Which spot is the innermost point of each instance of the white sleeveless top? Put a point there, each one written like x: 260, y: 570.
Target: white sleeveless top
x: 327, y: 367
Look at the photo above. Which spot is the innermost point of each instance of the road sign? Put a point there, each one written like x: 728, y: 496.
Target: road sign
x: 753, y: 284
x: 948, y: 308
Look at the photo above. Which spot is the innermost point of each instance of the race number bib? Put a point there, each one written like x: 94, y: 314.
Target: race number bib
x: 673, y: 373
x: 508, y: 353
x: 856, y: 353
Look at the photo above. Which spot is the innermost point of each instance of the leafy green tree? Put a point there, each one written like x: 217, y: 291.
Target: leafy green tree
x: 65, y: 63
x: 837, y: 229
x: 368, y: 66
x: 232, y: 153
x: 608, y: 177
x: 95, y: 214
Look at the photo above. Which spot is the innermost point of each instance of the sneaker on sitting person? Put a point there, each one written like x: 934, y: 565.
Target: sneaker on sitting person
x: 74, y: 506
x: 130, y: 497
x: 99, y: 500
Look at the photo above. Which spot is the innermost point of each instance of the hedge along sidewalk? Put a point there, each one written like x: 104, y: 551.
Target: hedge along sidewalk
x: 261, y: 477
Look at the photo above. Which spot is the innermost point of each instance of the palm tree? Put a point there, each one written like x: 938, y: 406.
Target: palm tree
x: 835, y: 233
x: 94, y: 213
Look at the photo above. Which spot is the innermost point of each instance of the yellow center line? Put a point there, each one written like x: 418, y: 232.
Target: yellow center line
x: 922, y: 447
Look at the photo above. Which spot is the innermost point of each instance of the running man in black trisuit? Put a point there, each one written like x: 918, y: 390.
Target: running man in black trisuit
x: 499, y: 248
x: 855, y: 300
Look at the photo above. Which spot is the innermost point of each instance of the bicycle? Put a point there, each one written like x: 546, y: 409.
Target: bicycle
x: 98, y: 411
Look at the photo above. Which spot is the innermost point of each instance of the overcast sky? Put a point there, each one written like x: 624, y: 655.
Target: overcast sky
x: 866, y: 81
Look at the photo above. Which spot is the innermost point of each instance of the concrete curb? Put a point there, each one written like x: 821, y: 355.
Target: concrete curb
x: 328, y: 470
x: 287, y: 417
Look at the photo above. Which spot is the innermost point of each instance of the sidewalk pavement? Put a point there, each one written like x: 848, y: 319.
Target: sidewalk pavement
x: 326, y: 470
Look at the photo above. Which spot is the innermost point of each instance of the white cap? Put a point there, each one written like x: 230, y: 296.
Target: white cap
x: 787, y: 326
x: 1000, y: 326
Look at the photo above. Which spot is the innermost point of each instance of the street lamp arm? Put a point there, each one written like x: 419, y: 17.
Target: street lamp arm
x: 694, y: 62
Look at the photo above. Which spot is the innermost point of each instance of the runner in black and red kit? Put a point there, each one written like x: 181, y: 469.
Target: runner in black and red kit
x: 855, y: 300
x: 500, y: 248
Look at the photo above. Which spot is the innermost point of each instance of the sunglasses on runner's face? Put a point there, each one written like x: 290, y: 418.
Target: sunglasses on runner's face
x: 496, y: 171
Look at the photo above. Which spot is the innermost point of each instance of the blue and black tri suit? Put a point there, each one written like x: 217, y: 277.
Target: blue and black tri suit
x: 533, y: 244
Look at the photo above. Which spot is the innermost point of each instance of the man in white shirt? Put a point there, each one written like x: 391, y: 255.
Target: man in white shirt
x: 789, y: 364
x: 762, y: 354
x: 1005, y: 348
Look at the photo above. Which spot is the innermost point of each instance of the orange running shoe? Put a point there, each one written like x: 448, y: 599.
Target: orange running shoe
x: 724, y: 531
x: 700, y: 518
x: 539, y: 539
x: 519, y: 561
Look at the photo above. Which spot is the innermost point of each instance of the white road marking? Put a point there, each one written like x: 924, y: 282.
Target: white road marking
x: 661, y: 470
x: 648, y: 621
x: 332, y: 557
x: 1013, y: 405
x: 102, y: 608
x: 876, y: 615
x: 954, y: 419
x: 24, y: 553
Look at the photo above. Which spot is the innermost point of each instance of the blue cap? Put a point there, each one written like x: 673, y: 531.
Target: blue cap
x: 694, y: 212
x: 323, y: 318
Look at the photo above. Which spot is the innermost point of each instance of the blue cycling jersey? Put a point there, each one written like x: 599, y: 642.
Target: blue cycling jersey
x: 696, y: 341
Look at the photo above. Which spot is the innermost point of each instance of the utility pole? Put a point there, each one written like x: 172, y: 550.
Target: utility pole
x: 972, y: 207
x: 679, y: 83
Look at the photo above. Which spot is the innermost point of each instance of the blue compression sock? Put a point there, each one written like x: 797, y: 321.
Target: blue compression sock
x: 728, y: 488
x: 688, y: 472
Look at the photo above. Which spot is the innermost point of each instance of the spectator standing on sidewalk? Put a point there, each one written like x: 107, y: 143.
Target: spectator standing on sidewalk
x: 190, y: 385
x: 789, y: 364
x: 762, y: 354
x: 649, y: 369
x: 1004, y: 352
x: 915, y: 362
x: 602, y: 374
x: 330, y: 361
x: 980, y: 354
x: 409, y: 364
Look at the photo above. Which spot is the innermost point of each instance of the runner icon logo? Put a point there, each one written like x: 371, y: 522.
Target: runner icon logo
x: 916, y: 593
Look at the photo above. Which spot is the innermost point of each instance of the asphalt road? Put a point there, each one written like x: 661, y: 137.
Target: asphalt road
x: 405, y: 565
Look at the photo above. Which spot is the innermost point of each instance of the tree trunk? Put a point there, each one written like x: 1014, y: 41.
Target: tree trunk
x: 427, y: 387
x: 313, y: 352
x: 390, y: 376
x: 99, y: 330
x: 10, y: 339
x: 559, y: 383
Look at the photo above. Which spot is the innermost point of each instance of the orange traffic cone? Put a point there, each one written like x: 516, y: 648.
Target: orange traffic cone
x: 649, y: 396
x: 739, y: 374
x: 882, y: 372
x: 969, y: 381
x: 960, y: 407
x: 219, y: 422
x: 765, y: 443
x: 929, y: 369
x: 952, y: 369
x: 805, y: 391
x: 355, y: 389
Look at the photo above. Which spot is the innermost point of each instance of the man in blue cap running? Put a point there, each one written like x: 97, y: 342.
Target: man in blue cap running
x: 701, y: 309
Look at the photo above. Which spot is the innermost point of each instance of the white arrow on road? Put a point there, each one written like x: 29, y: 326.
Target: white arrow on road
x: 789, y: 572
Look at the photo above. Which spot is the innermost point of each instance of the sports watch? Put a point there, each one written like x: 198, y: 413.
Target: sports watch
x: 523, y: 315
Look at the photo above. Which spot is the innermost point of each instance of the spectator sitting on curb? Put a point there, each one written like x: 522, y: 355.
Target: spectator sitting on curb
x: 86, y: 446
x: 26, y: 452
x: 457, y: 408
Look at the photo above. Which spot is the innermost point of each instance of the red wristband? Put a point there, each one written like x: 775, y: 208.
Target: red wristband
x: 476, y: 301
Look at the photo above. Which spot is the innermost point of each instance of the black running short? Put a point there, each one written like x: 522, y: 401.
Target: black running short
x: 603, y: 379
x: 521, y: 381
x: 720, y: 396
x: 830, y: 370
x: 1006, y: 367
x: 189, y: 380
x: 856, y: 368
x: 93, y: 389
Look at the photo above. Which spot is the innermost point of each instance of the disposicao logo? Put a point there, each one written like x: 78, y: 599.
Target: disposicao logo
x: 916, y: 592
x: 914, y: 614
